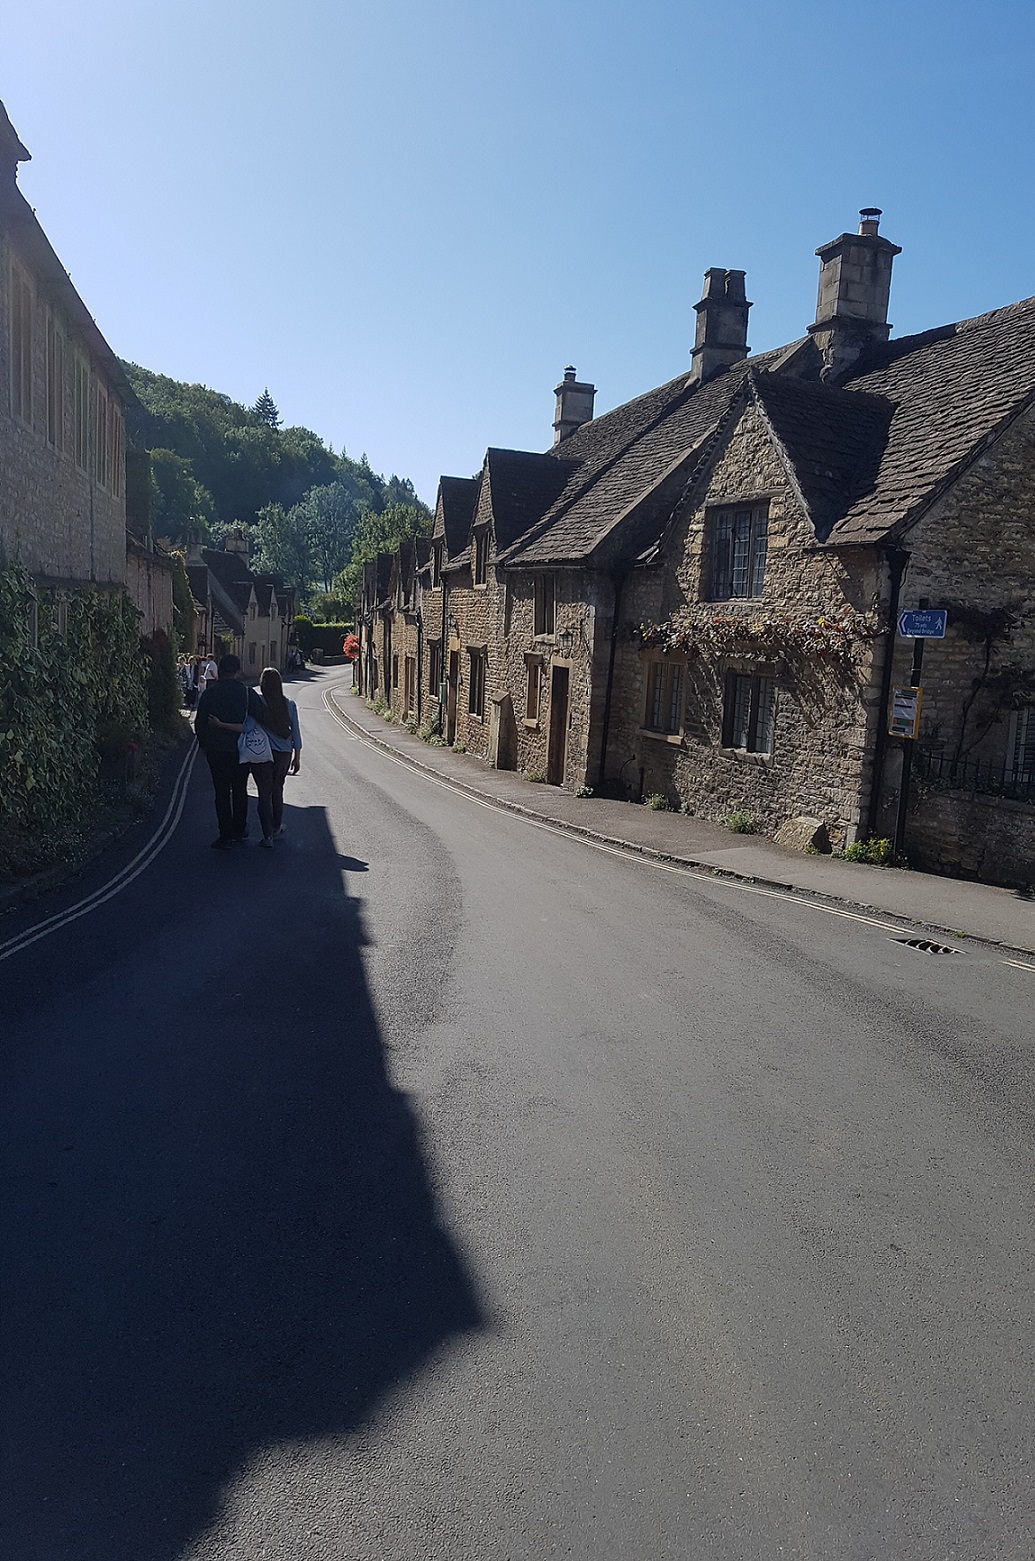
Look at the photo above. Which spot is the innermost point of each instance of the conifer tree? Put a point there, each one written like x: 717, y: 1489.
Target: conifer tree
x: 265, y: 409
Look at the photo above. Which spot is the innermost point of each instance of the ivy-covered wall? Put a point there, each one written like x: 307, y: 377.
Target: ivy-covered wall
x: 73, y: 691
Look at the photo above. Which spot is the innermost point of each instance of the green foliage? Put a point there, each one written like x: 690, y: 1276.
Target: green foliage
x: 876, y: 852
x: 163, y: 694
x: 179, y: 503
x: 658, y: 801
x: 185, y: 617
x: 537, y: 777
x: 325, y: 637
x: 583, y: 791
x: 380, y: 707
x: 81, y: 690
x: 265, y: 410
x: 740, y: 821
x: 380, y: 533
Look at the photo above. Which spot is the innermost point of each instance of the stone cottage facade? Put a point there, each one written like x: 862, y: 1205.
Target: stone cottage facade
x: 65, y: 513
x: 696, y: 595
x: 252, y: 613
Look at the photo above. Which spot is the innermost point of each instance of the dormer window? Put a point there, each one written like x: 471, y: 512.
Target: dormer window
x: 739, y: 536
x: 481, y: 556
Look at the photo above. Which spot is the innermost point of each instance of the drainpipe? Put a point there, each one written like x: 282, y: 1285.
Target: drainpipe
x: 897, y: 561
x: 618, y: 581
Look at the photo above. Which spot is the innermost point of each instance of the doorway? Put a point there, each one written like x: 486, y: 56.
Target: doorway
x: 451, y: 692
x: 558, y: 726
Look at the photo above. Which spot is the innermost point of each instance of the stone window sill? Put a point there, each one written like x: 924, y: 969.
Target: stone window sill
x: 745, y: 756
x: 532, y: 724
x: 674, y: 739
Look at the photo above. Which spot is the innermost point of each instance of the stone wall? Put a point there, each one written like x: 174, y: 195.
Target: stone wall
x: 54, y: 517
x: 967, y: 835
x: 149, y: 582
x: 973, y: 552
x: 826, y: 711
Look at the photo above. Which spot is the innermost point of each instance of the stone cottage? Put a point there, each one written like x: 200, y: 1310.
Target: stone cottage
x: 63, y: 512
x: 696, y: 595
x: 252, y: 613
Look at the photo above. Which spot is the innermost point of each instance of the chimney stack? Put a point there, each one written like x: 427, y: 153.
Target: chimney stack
x: 574, y: 405
x: 854, y: 289
x: 235, y: 541
x: 722, y: 325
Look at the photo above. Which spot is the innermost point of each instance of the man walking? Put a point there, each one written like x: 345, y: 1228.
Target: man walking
x: 228, y: 699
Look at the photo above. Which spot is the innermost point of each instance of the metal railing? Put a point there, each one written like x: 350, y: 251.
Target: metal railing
x: 994, y: 778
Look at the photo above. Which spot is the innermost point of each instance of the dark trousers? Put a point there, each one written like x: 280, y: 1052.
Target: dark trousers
x: 264, y: 786
x: 281, y: 761
x: 230, y: 780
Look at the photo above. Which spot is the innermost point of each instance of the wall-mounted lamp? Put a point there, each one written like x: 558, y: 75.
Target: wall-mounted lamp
x: 454, y: 627
x: 564, y: 642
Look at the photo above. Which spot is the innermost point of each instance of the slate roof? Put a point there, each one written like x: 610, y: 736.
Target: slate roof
x: 951, y: 392
x: 523, y: 485
x: 457, y: 497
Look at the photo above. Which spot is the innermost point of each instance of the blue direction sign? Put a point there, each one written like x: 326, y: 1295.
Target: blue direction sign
x: 928, y: 624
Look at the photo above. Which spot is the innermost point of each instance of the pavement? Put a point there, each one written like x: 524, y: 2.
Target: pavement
x: 945, y: 906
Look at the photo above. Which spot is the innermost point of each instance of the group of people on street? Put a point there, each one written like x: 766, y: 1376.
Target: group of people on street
x: 193, y: 673
x: 225, y: 706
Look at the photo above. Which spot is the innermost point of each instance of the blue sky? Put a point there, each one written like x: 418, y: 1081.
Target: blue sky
x: 406, y: 216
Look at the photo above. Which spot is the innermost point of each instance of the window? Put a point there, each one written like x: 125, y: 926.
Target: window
x: 410, y: 685
x: 434, y: 666
x: 21, y: 344
x: 1020, y: 762
x: 395, y: 672
x: 545, y: 604
x: 664, y: 711
x: 100, y: 437
x: 481, y: 556
x: 534, y: 688
x: 115, y: 455
x: 55, y: 383
x: 273, y: 654
x: 739, y: 537
x: 81, y: 410
x: 436, y: 565
x: 748, y: 712
x: 476, y: 684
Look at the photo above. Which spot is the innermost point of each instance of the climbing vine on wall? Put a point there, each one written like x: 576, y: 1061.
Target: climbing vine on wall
x: 767, y: 634
x: 73, y: 687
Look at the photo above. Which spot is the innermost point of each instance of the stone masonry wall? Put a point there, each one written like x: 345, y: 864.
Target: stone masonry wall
x: 54, y: 518
x: 825, y: 712
x: 973, y: 552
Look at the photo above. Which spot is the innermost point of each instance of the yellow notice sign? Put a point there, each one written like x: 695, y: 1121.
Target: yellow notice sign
x: 905, y: 712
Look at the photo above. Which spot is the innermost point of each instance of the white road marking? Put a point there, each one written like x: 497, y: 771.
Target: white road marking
x: 122, y: 879
x: 1018, y: 964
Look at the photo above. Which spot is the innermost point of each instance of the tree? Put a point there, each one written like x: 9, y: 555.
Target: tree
x: 380, y: 533
x: 265, y: 409
x: 331, y: 517
x: 282, y: 545
x: 179, y: 503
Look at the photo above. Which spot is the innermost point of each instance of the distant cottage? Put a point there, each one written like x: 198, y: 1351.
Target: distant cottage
x: 697, y: 593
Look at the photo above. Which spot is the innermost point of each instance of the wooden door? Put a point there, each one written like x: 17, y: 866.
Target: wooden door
x: 558, y: 726
x: 451, y: 692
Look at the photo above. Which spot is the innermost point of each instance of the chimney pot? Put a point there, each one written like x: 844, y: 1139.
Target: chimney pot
x: 869, y: 220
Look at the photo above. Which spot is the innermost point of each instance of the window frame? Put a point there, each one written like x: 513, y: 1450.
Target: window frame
x: 1020, y: 749
x: 749, y: 710
x: 725, y: 556
x: 533, y: 685
x: 664, y: 702
x: 434, y: 666
x: 56, y: 358
x: 21, y: 334
x: 477, y: 659
x: 544, y: 605
x: 481, y: 555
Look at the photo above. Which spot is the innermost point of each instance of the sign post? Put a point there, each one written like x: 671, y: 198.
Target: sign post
x: 925, y: 623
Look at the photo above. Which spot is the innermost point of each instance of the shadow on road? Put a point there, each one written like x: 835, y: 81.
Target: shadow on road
x: 219, y: 1232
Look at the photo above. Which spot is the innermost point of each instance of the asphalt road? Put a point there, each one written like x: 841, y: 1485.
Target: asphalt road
x: 440, y: 1186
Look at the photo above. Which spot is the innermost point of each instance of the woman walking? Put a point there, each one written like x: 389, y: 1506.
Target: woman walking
x: 281, y: 723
